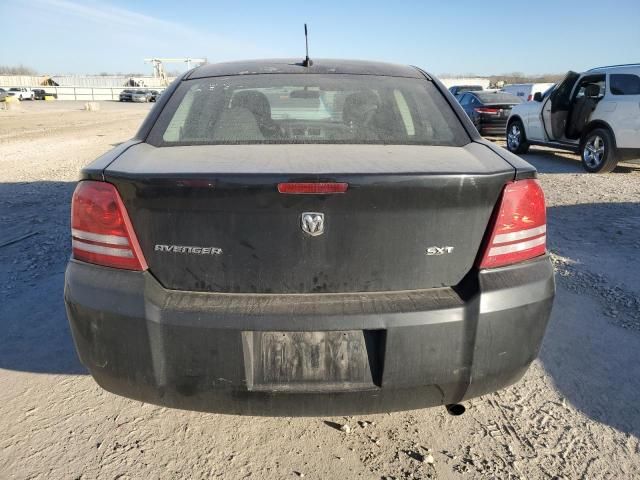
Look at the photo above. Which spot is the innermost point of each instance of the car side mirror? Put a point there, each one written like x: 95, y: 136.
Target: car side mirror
x: 537, y: 97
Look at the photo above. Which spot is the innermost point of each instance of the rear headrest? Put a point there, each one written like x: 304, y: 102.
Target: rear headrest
x: 592, y: 90
x: 359, y: 107
x: 254, y: 101
x: 235, y: 124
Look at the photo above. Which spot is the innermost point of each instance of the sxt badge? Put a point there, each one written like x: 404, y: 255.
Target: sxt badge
x: 439, y: 250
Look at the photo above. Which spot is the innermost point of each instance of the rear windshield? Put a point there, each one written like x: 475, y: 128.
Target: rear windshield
x: 497, y: 97
x: 307, y: 108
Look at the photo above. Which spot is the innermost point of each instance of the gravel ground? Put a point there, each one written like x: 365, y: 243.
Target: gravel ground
x: 575, y: 414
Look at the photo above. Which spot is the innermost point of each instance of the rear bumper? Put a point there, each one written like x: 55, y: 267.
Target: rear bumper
x: 200, y: 351
x: 497, y: 129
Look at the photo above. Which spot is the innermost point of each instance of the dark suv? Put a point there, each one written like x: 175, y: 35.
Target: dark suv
x: 307, y: 240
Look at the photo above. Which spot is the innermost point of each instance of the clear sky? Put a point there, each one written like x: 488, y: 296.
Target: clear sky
x: 537, y: 36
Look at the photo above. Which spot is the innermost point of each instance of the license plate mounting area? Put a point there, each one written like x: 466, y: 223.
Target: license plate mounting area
x: 331, y: 360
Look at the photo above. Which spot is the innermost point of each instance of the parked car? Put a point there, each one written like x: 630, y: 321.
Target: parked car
x: 311, y: 240
x: 21, y: 93
x: 594, y: 113
x: 141, y: 96
x: 526, y: 91
x: 39, y: 94
x: 125, y: 95
x: 154, y: 95
x: 458, y: 90
x: 489, y: 111
x: 3, y: 94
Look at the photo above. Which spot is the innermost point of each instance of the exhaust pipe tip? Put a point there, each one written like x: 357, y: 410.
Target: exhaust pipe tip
x: 455, y: 409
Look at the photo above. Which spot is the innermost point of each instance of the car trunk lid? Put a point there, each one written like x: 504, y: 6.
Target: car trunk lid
x: 211, y: 218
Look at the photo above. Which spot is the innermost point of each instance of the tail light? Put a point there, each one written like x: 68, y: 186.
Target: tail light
x: 313, y: 188
x: 101, y: 230
x: 487, y: 110
x: 519, y: 229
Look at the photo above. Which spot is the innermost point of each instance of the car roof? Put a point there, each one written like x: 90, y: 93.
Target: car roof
x: 294, y: 65
x: 616, y: 68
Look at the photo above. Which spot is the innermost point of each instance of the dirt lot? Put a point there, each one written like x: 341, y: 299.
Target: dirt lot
x: 576, y: 414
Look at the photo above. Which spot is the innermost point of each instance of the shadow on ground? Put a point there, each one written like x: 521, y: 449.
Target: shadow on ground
x: 591, y: 357
x: 547, y: 160
x: 34, y: 333
x: 594, y: 365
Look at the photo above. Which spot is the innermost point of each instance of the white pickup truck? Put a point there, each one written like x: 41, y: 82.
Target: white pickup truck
x: 22, y: 93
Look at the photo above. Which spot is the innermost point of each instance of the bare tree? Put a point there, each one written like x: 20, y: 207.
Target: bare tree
x: 511, y: 78
x: 518, y: 77
x: 17, y: 70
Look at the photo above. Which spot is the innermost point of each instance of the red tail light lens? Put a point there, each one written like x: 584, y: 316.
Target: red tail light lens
x: 519, y: 230
x: 101, y: 230
x: 487, y: 110
x: 317, y: 188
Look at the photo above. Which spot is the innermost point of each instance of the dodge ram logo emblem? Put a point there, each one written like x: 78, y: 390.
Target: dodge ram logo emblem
x: 312, y: 223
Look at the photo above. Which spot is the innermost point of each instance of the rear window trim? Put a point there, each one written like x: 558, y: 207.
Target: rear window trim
x: 195, y: 143
x: 154, y: 139
x: 253, y: 74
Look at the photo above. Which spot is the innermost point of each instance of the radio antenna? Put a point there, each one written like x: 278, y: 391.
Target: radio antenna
x: 307, y: 61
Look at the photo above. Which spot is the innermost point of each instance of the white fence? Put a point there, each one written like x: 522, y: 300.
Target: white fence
x: 88, y: 94
x: 84, y: 81
x: 112, y: 93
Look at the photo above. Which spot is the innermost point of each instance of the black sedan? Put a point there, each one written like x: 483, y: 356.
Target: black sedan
x: 320, y: 239
x: 489, y: 111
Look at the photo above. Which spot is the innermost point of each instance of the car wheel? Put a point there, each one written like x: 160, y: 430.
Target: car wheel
x: 598, y: 151
x: 516, y: 138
